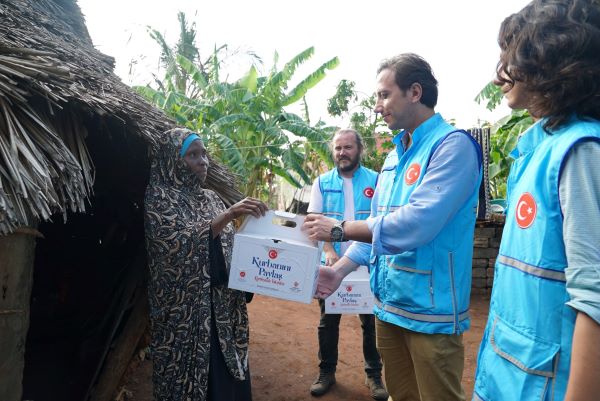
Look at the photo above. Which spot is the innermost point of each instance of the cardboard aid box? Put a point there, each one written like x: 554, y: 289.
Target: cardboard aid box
x: 272, y: 256
x: 353, y: 296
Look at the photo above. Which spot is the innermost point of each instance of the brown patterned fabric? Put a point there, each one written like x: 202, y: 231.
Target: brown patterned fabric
x: 177, y: 222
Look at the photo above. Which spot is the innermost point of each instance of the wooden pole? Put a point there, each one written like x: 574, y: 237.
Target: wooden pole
x: 120, y: 355
x: 17, y: 253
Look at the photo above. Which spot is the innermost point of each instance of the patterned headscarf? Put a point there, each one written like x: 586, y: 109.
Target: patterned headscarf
x: 168, y: 168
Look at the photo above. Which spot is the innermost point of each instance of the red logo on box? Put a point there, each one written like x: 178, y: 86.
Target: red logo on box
x: 349, y: 288
x: 242, y: 274
x: 272, y: 254
x: 296, y: 284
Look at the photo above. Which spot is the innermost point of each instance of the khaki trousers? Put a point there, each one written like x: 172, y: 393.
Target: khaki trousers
x: 418, y: 366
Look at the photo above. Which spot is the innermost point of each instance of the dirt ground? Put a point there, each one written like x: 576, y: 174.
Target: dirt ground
x: 283, y: 354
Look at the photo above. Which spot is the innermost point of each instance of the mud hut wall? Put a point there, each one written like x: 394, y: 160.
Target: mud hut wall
x: 16, y: 270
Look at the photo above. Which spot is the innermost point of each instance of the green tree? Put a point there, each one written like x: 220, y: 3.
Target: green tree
x: 176, y: 78
x: 359, y: 108
x: 245, y: 122
x: 503, y: 139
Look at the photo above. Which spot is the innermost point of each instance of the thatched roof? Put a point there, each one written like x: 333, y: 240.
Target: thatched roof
x: 51, y: 80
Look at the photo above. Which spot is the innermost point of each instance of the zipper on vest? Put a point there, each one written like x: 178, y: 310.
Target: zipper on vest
x: 556, y: 361
x: 453, y: 289
x: 390, y: 197
x: 383, y: 263
x: 510, y: 181
x: 431, y: 289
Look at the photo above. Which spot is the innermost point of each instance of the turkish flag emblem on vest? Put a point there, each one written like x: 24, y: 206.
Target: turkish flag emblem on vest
x: 526, y: 210
x: 412, y: 174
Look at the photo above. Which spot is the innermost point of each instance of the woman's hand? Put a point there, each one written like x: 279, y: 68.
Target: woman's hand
x: 244, y: 207
x: 247, y: 206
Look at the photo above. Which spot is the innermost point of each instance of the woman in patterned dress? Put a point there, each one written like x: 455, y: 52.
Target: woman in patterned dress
x: 199, y: 326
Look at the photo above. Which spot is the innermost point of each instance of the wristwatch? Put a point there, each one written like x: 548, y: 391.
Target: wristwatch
x: 337, y: 232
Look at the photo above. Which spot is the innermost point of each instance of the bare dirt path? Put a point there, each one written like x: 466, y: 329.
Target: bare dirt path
x: 283, y: 354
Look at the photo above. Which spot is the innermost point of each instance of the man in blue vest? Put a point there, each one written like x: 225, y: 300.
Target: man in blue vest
x: 418, y: 239
x: 344, y: 193
x: 541, y: 339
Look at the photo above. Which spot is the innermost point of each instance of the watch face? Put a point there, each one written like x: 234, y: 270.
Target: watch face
x: 337, y: 233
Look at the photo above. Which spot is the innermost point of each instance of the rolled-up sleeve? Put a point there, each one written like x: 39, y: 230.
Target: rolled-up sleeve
x: 359, y: 252
x: 451, y: 177
x: 579, y: 192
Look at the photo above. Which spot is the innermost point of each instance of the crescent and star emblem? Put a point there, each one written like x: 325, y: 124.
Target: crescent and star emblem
x: 526, y: 210
x: 412, y: 174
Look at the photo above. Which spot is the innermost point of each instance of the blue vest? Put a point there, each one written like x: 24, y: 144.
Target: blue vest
x: 426, y: 289
x: 331, y: 185
x: 525, y: 352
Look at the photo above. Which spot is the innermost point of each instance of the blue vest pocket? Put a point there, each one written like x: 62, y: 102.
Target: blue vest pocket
x: 515, y: 366
x: 407, y: 286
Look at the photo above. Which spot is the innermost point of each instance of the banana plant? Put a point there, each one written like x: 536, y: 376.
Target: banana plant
x: 504, y: 135
x: 272, y: 141
x: 246, y: 123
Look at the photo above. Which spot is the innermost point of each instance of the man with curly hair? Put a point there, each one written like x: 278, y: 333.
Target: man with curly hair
x: 541, y: 339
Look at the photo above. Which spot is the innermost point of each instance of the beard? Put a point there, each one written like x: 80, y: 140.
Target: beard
x: 353, y: 163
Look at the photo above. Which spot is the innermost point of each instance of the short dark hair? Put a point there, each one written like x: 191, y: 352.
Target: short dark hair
x: 410, y: 68
x: 359, y: 140
x: 553, y: 48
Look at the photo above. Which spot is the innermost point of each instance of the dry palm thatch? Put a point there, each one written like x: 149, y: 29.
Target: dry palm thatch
x: 51, y: 79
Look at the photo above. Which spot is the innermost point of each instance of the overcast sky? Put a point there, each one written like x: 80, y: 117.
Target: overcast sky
x: 458, y: 38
